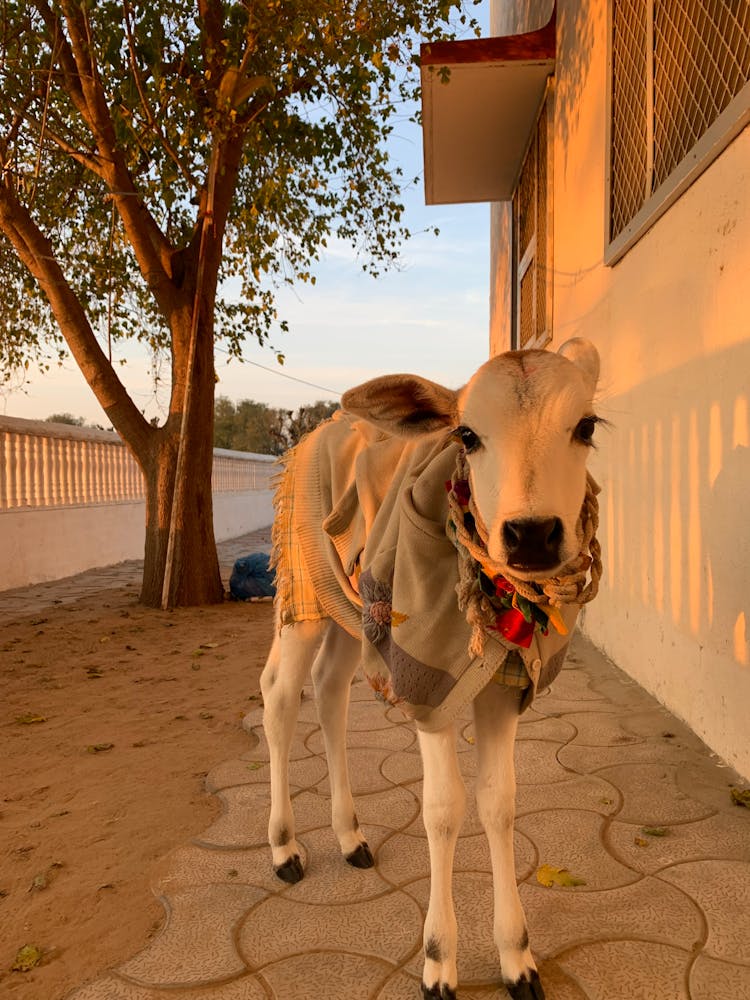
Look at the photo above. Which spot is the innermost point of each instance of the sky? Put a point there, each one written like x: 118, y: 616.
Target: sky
x: 429, y: 316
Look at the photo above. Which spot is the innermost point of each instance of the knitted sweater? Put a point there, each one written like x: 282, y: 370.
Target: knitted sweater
x: 360, y: 537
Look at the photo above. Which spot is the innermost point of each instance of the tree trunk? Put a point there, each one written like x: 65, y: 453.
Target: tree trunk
x: 195, y: 577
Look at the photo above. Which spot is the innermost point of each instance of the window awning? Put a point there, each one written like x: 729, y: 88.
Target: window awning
x: 476, y: 125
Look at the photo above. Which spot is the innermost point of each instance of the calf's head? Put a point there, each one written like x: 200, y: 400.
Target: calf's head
x: 526, y: 421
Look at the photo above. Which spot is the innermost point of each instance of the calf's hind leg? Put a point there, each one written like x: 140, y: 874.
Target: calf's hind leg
x: 281, y: 682
x: 332, y: 672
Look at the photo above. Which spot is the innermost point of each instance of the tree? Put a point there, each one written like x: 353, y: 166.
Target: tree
x: 154, y: 157
x: 251, y: 426
x: 64, y: 418
x: 247, y: 426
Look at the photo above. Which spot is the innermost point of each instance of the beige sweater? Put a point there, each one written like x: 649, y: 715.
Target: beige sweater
x: 360, y: 537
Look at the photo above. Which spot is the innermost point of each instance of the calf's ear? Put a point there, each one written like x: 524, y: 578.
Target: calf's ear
x: 402, y: 404
x: 582, y: 353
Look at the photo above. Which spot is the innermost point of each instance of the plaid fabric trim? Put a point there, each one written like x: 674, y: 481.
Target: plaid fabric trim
x: 513, y: 672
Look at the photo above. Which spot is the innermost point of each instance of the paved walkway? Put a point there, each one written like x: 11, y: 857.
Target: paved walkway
x: 610, y: 786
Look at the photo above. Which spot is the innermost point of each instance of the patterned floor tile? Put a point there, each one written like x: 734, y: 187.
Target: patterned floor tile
x: 545, y: 728
x: 586, y: 791
x: 629, y: 970
x: 720, y: 888
x: 651, y: 794
x: 329, y: 879
x: 200, y: 866
x: 246, y: 987
x: 723, y: 836
x: 599, y: 729
x: 714, y: 980
x: 537, y: 763
x: 368, y: 715
x: 392, y: 738
x: 560, y: 919
x: 197, y: 944
x: 245, y: 819
x: 402, y: 768
x: 571, y: 839
x: 320, y: 975
x: 388, y: 927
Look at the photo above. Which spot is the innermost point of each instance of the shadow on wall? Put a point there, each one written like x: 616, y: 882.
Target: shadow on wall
x: 677, y: 500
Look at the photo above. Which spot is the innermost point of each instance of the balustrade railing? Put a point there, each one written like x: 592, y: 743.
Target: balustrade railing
x: 55, y: 465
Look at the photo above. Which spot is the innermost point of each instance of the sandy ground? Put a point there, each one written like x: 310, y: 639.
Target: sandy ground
x: 137, y: 705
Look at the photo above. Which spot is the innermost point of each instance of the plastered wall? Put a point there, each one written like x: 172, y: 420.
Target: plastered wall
x: 49, y: 543
x: 672, y: 323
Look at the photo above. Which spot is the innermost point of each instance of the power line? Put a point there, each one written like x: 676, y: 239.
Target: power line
x: 275, y: 371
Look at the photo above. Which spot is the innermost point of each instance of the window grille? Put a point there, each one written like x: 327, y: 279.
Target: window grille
x: 532, y: 244
x: 680, y: 91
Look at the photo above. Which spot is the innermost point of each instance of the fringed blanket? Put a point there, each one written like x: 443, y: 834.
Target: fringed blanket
x: 363, y: 535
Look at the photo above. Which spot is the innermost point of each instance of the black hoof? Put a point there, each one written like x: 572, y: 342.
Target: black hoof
x: 361, y: 858
x: 291, y: 871
x: 437, y: 993
x: 526, y: 989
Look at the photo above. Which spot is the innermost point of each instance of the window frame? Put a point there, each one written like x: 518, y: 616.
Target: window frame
x: 519, y: 267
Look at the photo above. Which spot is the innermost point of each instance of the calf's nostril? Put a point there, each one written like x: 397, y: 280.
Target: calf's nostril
x: 512, y: 534
x: 554, y: 533
x: 533, y: 542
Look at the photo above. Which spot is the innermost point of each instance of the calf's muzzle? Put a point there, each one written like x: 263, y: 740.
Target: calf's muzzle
x: 533, y: 544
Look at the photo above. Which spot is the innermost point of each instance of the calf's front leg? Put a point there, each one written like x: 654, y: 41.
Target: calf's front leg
x: 496, y: 721
x: 444, y: 805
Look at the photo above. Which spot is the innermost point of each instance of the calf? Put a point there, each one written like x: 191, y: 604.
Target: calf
x: 444, y: 540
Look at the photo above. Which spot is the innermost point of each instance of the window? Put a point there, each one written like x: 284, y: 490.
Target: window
x: 679, y: 73
x: 532, y: 236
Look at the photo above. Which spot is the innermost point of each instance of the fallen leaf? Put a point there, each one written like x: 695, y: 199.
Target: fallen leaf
x: 256, y: 766
x: 27, y: 958
x: 99, y: 747
x: 548, y: 876
x: 470, y: 739
x: 29, y: 718
x: 741, y: 797
x: 40, y: 881
x: 655, y: 831
x: 640, y: 842
x: 607, y: 802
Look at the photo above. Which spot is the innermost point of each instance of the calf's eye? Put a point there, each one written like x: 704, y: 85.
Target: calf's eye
x: 467, y: 437
x: 584, y: 431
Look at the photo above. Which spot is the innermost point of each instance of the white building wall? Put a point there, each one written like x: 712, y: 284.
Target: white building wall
x: 672, y: 323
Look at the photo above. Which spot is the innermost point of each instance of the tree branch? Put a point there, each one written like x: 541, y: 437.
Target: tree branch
x: 147, y: 111
x: 36, y: 253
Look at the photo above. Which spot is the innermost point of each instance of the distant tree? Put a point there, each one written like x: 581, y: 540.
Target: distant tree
x: 307, y: 418
x: 65, y: 418
x: 150, y: 152
x: 251, y: 426
x: 245, y: 426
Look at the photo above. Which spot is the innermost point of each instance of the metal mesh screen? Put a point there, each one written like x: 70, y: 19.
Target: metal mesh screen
x: 541, y: 226
x: 701, y: 61
x: 678, y: 63
x: 526, y: 331
x: 629, y: 186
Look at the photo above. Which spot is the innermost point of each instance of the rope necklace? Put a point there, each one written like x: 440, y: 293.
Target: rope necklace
x: 496, y: 601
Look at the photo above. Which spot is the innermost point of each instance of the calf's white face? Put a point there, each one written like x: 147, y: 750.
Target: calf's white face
x: 526, y: 419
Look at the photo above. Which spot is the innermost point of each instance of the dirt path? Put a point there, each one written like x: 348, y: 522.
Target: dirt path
x: 137, y: 705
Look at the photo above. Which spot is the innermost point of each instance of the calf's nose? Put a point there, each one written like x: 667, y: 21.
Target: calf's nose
x: 533, y: 543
